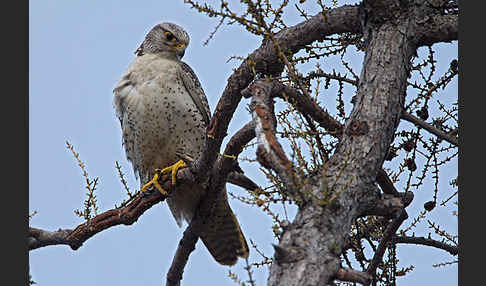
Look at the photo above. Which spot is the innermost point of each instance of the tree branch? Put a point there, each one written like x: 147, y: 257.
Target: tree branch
x: 270, y: 153
x: 265, y: 59
x: 388, y: 204
x: 388, y: 235
x: 243, y: 181
x: 218, y: 177
x: 426, y: 241
x: 437, y: 132
x: 126, y: 215
x: 351, y: 275
x: 38, y: 238
x: 307, y: 105
x: 437, y: 29
x: 186, y: 245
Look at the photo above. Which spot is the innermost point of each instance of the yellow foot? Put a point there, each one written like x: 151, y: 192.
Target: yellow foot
x: 171, y: 169
x: 154, y: 182
x: 174, y: 169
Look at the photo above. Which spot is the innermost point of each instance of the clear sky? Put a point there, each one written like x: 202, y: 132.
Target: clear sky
x: 77, y: 52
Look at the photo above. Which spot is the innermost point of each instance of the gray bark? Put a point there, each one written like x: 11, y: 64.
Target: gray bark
x: 310, y: 248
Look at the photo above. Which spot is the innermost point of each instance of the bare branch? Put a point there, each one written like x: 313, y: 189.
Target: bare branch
x: 126, y: 215
x: 351, y: 275
x: 436, y: 29
x: 243, y: 181
x: 388, y: 235
x: 426, y: 241
x: 389, y: 204
x: 186, y: 245
x: 332, y: 76
x: 38, y: 238
x: 437, y: 132
x: 269, y: 152
x: 307, y: 105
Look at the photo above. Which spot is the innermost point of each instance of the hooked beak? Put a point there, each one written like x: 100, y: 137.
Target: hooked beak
x: 180, y: 53
x: 180, y: 50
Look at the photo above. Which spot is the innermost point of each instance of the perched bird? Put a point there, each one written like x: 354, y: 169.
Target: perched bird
x: 163, y: 110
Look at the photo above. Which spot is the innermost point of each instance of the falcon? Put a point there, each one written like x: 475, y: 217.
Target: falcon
x: 163, y: 112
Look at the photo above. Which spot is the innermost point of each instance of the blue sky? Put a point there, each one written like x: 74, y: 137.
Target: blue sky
x: 77, y: 52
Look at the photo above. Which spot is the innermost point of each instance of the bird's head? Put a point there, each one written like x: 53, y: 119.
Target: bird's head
x: 166, y: 38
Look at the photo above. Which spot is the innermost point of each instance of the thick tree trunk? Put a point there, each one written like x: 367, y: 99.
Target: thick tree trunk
x: 310, y: 248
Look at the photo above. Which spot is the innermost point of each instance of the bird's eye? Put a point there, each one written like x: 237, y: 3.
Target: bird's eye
x: 169, y: 36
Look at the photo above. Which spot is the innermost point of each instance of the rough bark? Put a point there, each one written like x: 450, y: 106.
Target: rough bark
x: 318, y: 232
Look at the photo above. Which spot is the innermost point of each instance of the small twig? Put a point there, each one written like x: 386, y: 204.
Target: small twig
x: 334, y: 76
x: 122, y: 179
x: 214, y: 32
x: 248, y: 270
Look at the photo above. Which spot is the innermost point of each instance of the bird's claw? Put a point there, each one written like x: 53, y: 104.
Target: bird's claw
x: 173, y: 169
x: 154, y: 182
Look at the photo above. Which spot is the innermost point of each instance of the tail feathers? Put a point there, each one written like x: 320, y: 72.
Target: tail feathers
x: 223, y: 236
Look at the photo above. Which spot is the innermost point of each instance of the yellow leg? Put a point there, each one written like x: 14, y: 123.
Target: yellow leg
x: 172, y: 169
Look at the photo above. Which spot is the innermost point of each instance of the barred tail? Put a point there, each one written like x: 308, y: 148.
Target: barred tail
x: 223, y: 236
